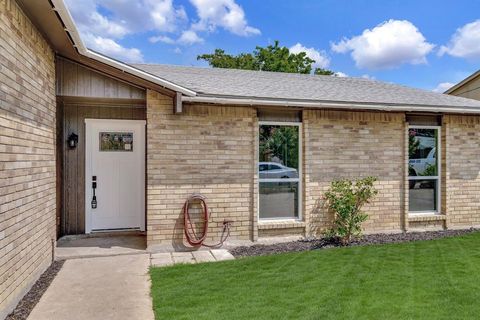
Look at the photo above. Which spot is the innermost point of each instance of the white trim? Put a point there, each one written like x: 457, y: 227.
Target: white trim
x: 328, y: 104
x: 267, y: 220
x: 281, y: 180
x: 115, y: 121
x: 416, y: 126
x: 61, y: 9
x: 280, y: 123
x: 438, y: 177
x: 88, y: 169
x: 422, y: 177
x: 423, y: 213
x: 300, y: 172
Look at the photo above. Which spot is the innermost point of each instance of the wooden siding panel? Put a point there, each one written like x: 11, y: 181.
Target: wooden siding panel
x: 75, y: 80
x: 469, y: 90
x: 70, y: 170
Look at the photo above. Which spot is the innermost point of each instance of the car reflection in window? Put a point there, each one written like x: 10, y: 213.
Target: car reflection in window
x: 273, y: 170
x: 423, y: 166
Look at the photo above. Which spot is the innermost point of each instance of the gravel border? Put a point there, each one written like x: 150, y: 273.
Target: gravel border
x: 28, y: 302
x: 323, y: 243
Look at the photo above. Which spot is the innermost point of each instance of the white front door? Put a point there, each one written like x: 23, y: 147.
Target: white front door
x: 114, y: 174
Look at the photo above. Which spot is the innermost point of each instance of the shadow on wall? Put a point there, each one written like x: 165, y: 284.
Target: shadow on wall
x: 178, y: 234
x: 179, y: 243
x: 321, y: 218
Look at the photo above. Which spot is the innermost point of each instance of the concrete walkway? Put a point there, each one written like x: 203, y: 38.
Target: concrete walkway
x: 171, y: 258
x: 116, y: 287
x: 107, y: 278
x: 70, y: 247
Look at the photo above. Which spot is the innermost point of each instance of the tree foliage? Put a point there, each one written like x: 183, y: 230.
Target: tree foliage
x: 280, y: 142
x: 271, y: 58
x: 346, y: 199
x: 324, y: 72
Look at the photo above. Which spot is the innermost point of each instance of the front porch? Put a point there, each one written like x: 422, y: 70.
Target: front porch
x: 100, y: 245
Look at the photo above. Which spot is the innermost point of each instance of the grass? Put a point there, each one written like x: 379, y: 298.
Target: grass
x: 437, y: 279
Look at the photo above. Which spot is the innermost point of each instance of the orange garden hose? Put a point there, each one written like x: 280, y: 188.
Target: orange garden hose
x: 195, y: 239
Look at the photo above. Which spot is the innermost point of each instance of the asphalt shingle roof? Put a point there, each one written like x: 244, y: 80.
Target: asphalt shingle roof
x: 275, y: 85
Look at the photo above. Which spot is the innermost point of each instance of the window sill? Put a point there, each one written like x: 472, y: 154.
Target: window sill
x: 427, y: 217
x: 280, y: 224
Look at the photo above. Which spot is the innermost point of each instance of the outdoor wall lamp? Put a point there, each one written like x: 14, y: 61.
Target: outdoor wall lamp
x: 72, y: 140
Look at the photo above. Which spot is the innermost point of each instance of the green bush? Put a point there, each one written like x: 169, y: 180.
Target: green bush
x: 346, y: 199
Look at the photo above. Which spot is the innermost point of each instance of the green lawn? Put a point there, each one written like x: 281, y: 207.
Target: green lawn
x: 422, y: 280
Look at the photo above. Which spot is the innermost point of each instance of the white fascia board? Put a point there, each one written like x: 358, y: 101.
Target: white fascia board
x: 331, y: 105
x: 78, y: 43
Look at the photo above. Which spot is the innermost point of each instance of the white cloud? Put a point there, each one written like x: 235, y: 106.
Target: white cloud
x: 164, y: 39
x: 340, y: 74
x: 367, y: 76
x: 164, y: 15
x: 226, y: 14
x: 126, y: 17
x: 111, y: 48
x: 443, y: 86
x: 388, y: 45
x: 465, y: 43
x: 189, y: 37
x: 102, y: 23
x: 320, y: 57
x: 88, y: 20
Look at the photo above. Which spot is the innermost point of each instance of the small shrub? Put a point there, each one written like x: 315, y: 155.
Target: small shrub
x: 346, y: 198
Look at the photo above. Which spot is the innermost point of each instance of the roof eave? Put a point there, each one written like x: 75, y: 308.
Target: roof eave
x: 64, y: 14
x: 327, y: 104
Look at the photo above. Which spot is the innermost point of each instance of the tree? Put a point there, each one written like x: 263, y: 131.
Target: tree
x: 271, y: 58
x: 324, y: 72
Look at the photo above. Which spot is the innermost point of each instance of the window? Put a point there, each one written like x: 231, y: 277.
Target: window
x: 279, y: 170
x: 423, y: 169
x: 116, y: 141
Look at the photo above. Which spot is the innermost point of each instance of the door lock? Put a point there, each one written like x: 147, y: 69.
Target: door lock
x: 94, y: 186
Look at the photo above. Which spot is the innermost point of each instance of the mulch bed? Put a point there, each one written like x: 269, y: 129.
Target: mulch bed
x: 26, y: 305
x: 323, y: 243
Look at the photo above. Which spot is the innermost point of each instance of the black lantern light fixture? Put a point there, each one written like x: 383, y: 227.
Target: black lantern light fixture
x: 72, y: 140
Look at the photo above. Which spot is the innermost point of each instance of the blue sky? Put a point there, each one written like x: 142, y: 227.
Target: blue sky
x: 429, y: 44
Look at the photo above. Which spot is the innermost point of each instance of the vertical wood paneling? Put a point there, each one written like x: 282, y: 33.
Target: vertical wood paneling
x: 74, y: 115
x: 75, y: 80
x: 70, y: 172
x: 59, y: 166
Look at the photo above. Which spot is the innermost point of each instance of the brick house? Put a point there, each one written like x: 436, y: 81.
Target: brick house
x: 90, y: 144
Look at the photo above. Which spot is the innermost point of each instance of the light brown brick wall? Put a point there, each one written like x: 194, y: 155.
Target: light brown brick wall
x: 462, y: 171
x: 281, y: 232
x: 208, y: 150
x: 352, y: 145
x: 27, y: 154
x: 213, y: 150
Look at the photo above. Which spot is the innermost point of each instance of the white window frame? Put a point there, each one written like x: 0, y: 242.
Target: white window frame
x: 438, y: 177
x: 300, y: 171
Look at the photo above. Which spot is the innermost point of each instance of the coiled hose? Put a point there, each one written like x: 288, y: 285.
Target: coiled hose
x: 195, y: 239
